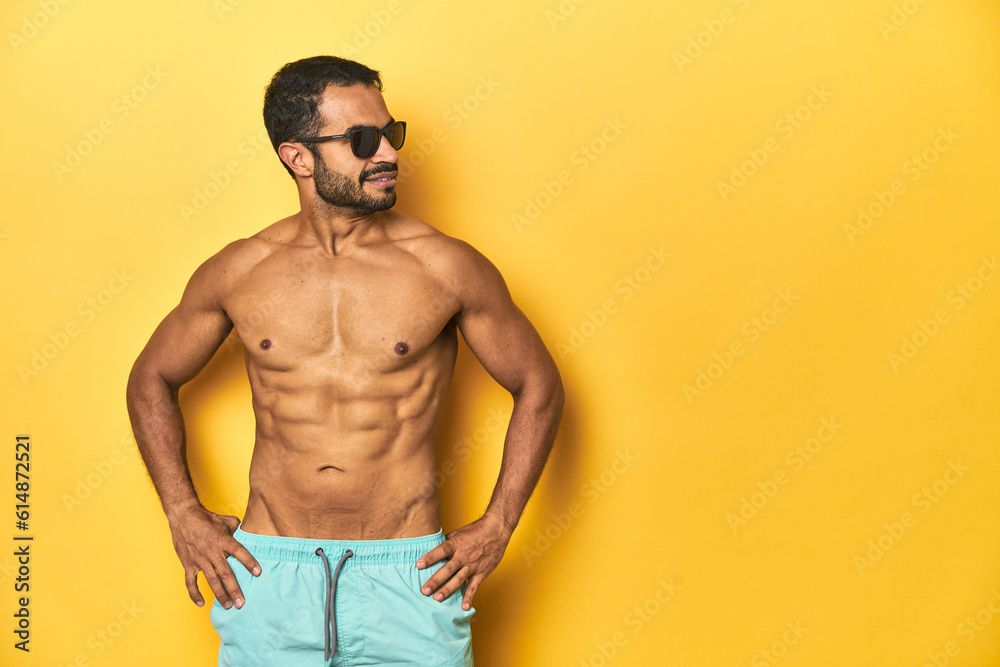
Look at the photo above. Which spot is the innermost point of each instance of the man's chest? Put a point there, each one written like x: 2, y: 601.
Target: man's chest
x: 292, y: 311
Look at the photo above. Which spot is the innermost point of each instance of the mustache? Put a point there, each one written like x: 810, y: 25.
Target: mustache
x: 381, y: 169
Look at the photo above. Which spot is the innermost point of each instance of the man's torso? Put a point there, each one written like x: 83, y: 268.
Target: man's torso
x: 350, y: 359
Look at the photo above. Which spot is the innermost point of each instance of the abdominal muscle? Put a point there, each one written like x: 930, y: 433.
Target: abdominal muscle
x: 336, y: 459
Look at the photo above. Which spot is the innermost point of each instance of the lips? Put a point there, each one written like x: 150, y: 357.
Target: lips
x: 384, y: 178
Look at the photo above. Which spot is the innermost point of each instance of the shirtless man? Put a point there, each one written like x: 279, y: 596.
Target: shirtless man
x: 349, y: 313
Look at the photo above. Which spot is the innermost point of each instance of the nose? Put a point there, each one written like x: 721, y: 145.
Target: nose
x: 385, y: 152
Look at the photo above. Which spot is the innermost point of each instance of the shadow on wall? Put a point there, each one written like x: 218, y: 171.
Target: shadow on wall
x: 505, y: 599
x: 225, y: 375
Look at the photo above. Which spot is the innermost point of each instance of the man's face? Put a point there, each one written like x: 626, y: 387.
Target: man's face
x: 362, y: 186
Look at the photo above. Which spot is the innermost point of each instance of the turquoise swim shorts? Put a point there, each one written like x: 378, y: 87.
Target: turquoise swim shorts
x: 342, y: 603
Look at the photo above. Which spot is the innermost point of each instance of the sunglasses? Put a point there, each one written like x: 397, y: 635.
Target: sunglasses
x: 366, y: 140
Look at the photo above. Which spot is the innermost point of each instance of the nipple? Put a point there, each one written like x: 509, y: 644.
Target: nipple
x: 401, y: 348
x: 265, y: 344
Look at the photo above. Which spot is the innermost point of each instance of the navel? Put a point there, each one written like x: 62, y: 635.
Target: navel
x: 265, y: 344
x: 401, y: 348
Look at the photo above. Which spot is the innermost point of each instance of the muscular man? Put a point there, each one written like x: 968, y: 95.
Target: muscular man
x: 349, y: 312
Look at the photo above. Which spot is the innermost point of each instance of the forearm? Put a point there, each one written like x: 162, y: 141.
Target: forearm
x: 159, y: 432
x: 530, y: 435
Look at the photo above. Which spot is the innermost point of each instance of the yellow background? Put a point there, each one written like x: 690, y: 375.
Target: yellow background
x: 606, y: 536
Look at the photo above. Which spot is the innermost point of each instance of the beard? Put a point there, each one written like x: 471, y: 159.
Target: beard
x: 336, y: 189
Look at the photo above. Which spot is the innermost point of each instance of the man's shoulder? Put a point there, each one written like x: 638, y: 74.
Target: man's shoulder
x: 238, y: 257
x: 451, y: 260
x: 433, y: 247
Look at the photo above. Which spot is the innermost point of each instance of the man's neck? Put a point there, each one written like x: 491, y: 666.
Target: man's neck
x: 339, y: 231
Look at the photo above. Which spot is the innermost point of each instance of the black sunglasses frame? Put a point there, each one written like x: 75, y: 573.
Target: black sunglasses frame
x: 383, y: 132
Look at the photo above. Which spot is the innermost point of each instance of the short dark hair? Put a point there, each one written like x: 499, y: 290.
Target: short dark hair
x: 292, y: 98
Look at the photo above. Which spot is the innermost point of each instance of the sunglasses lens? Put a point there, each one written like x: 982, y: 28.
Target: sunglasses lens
x: 365, y: 142
x: 396, y: 134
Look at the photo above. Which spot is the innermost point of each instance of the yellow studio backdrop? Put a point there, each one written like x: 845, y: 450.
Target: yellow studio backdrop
x: 759, y: 238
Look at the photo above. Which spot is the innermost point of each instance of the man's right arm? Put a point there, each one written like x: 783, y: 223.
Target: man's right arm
x: 180, y: 347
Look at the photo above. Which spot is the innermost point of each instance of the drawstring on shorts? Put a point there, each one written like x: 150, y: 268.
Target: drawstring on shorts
x: 330, y: 617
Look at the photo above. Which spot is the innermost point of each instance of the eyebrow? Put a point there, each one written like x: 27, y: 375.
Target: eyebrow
x: 358, y: 126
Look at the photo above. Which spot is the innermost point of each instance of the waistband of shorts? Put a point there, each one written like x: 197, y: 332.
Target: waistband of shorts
x: 398, y: 551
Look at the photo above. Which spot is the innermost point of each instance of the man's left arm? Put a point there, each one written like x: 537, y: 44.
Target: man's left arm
x: 512, y: 352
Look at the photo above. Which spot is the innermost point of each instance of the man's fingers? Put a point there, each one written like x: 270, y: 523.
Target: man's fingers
x: 243, y: 556
x: 453, y: 584
x: 441, y: 576
x: 215, y: 583
x: 232, y: 521
x: 434, y: 555
x: 470, y: 591
x: 230, y: 584
x: 191, y: 581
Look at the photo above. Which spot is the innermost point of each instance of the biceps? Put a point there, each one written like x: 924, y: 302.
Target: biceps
x: 506, y: 343
x: 183, y: 343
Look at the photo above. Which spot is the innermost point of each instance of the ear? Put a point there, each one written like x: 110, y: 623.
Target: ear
x: 298, y: 159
